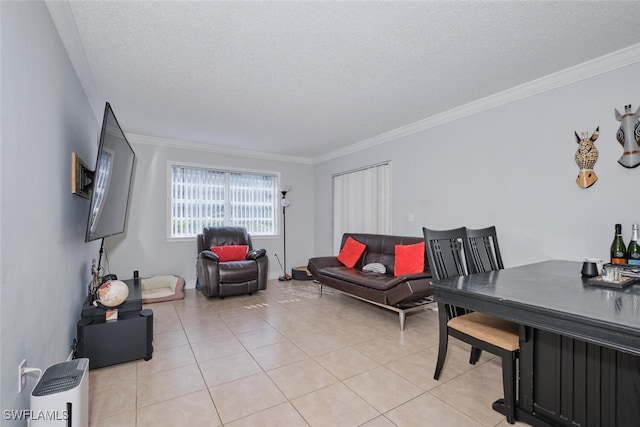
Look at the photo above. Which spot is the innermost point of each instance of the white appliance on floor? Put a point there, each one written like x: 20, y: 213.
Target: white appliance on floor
x: 61, y: 396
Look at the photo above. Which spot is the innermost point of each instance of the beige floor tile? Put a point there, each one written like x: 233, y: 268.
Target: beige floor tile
x: 163, y: 323
x: 207, y: 350
x: 246, y: 396
x: 335, y: 405
x: 320, y: 343
x: 194, y: 409
x: 283, y: 415
x: 381, y: 421
x: 382, y: 388
x: 112, y: 399
x: 277, y: 355
x: 470, y: 394
x: 228, y: 368
x: 211, y: 333
x: 346, y: 362
x: 166, y: 359
x: 428, y: 411
x: 238, y: 325
x: 169, y: 339
x: 162, y: 386
x: 127, y: 419
x: 123, y: 374
x: 199, y: 318
x: 418, y: 368
x: 383, y: 350
x: 301, y: 377
x: 260, y: 338
x: 293, y: 328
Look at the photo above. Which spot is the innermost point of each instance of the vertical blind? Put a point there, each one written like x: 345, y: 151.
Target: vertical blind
x: 362, y: 202
x: 205, y: 197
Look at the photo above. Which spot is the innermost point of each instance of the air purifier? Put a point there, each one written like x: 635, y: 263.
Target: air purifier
x: 61, y: 396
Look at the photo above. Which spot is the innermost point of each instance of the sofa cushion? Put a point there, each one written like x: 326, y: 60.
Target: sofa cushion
x: 238, y: 271
x: 367, y: 279
x: 409, y: 259
x: 351, y: 252
x: 231, y: 252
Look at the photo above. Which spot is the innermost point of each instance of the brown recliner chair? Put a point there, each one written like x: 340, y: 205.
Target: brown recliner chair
x: 221, y: 279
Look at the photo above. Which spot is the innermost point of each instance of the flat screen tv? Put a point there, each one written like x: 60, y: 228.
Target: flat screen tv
x: 111, y: 183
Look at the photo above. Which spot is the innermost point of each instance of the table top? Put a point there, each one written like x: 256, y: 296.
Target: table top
x: 551, y: 295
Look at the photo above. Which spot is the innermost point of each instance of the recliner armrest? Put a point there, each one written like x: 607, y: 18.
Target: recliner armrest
x: 209, y: 255
x: 256, y: 253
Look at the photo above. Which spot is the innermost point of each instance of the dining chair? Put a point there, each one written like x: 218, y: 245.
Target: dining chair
x: 483, y: 249
x: 484, y: 256
x: 448, y: 252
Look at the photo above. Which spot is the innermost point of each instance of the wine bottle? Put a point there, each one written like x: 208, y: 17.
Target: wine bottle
x: 633, y: 251
x: 618, y: 249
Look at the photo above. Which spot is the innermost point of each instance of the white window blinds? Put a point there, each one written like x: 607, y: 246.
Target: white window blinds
x: 203, y: 197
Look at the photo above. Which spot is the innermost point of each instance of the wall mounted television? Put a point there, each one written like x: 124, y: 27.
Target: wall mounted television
x: 109, y: 185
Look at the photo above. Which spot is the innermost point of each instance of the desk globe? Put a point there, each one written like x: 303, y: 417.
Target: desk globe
x: 113, y: 293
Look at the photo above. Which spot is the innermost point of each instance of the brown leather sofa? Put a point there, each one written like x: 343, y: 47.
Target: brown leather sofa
x: 221, y: 279
x: 402, y: 294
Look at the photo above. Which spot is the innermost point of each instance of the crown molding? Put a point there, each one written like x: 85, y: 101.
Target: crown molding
x: 585, y: 70
x: 210, y: 148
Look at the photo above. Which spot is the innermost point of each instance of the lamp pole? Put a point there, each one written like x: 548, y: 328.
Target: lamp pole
x: 284, y: 203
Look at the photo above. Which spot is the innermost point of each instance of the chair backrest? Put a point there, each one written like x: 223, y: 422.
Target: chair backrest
x: 221, y: 236
x: 445, y: 250
x: 483, y: 252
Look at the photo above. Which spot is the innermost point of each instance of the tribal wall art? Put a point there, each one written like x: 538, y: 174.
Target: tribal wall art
x: 628, y: 136
x: 586, y: 157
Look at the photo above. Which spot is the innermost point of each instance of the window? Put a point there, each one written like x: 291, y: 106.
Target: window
x: 202, y: 197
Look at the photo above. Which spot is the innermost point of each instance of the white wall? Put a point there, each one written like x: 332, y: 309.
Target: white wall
x: 512, y: 166
x: 145, y: 246
x: 44, y: 265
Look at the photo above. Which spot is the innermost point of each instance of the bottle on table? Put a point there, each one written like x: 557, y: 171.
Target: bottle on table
x: 633, y: 251
x: 618, y: 248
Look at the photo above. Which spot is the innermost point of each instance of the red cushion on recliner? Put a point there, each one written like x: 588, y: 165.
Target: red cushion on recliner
x: 351, y: 252
x: 409, y: 259
x: 231, y: 252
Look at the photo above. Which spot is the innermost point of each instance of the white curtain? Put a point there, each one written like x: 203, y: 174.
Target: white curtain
x: 362, y: 202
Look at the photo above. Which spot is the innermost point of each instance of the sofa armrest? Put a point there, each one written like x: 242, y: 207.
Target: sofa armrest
x: 209, y: 255
x: 318, y: 263
x: 256, y: 253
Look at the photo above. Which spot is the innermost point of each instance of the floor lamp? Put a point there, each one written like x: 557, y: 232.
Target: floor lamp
x: 285, y: 204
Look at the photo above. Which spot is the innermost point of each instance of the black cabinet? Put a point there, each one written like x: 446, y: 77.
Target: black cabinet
x: 575, y: 383
x: 128, y: 338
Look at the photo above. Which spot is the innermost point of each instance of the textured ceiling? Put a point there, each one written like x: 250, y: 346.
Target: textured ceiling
x: 309, y: 78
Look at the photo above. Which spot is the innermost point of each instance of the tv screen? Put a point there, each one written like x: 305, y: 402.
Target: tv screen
x: 111, y: 181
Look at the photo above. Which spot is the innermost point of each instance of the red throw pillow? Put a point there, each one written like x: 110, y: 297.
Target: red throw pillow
x: 231, y: 252
x: 409, y: 259
x: 351, y: 252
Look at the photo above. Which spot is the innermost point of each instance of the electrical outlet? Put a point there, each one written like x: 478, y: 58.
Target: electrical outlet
x: 22, y: 380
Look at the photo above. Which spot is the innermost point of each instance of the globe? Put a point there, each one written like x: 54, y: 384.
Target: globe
x: 113, y: 293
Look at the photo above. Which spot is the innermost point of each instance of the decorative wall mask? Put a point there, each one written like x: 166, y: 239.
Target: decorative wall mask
x: 586, y: 157
x: 628, y: 136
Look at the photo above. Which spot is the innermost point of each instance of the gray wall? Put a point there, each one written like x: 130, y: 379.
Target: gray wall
x: 145, y: 246
x: 44, y: 265
x: 512, y: 166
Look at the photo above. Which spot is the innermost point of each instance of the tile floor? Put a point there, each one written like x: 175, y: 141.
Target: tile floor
x: 288, y: 357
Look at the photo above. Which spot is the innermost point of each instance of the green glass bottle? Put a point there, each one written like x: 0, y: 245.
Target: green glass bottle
x: 618, y: 249
x: 633, y: 251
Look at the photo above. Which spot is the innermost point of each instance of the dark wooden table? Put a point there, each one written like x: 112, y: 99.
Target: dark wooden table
x: 579, y: 363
